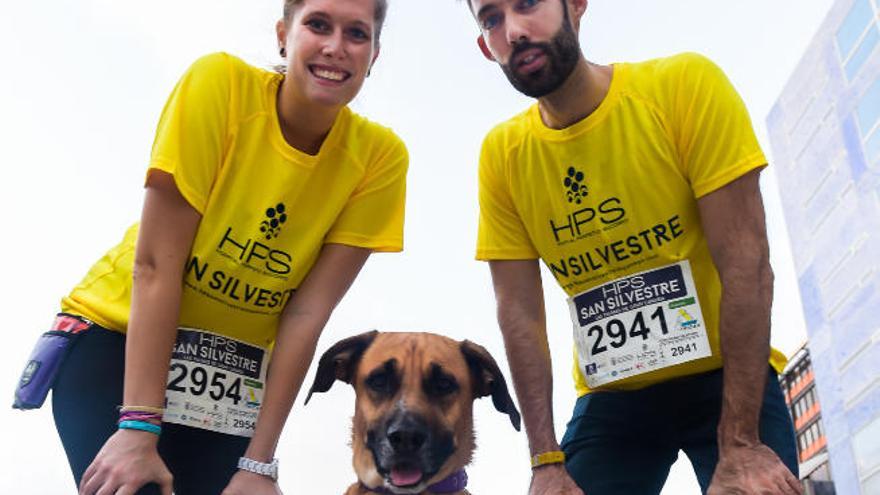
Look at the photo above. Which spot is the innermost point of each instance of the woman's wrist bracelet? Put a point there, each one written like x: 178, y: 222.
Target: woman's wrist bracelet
x: 141, y: 426
x: 142, y: 409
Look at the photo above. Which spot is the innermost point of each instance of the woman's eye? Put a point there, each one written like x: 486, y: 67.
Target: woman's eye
x: 318, y: 25
x: 358, y: 34
x: 525, y: 4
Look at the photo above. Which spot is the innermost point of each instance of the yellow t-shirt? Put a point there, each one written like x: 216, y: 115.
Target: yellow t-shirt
x: 266, y: 207
x: 615, y: 193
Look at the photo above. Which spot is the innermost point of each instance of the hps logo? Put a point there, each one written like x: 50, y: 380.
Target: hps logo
x: 575, y: 189
x: 275, y: 217
x: 579, y: 223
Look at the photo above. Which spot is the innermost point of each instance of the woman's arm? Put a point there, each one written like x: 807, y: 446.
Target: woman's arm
x: 301, y: 324
x: 168, y: 225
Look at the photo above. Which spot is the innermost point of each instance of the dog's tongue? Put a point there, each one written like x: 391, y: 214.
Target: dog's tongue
x: 405, y: 476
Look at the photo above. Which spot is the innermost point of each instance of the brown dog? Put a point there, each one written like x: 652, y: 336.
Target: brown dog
x: 413, y: 425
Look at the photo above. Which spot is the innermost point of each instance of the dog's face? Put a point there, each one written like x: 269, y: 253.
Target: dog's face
x: 413, y: 424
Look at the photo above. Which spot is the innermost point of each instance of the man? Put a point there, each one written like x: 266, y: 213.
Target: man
x: 637, y: 185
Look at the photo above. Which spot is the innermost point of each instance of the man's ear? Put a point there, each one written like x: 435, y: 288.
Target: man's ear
x: 340, y: 361
x: 487, y: 379
x: 576, y: 11
x: 481, y: 42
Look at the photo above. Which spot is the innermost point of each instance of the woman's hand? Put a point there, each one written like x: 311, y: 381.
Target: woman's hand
x: 247, y: 483
x: 127, y: 461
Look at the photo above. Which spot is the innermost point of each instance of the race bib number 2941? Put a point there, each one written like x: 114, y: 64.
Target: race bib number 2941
x: 638, y: 323
x: 215, y: 383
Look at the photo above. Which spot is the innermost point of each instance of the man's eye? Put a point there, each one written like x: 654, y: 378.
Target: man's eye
x: 490, y: 21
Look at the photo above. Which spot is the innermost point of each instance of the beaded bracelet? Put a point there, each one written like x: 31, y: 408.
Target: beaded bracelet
x: 140, y: 425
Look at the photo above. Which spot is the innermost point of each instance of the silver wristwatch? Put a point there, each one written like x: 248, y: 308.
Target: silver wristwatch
x: 269, y: 469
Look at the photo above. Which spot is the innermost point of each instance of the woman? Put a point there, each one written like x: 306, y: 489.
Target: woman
x: 265, y: 195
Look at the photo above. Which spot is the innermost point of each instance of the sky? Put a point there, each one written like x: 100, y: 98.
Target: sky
x: 84, y: 82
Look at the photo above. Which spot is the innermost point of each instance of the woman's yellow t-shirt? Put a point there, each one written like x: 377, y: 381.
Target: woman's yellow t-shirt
x: 266, y: 207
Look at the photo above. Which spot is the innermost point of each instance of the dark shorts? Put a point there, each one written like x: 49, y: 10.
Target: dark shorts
x: 85, y: 400
x: 625, y: 442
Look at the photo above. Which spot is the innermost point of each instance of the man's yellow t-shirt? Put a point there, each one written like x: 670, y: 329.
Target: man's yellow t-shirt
x: 616, y: 193
x: 266, y: 207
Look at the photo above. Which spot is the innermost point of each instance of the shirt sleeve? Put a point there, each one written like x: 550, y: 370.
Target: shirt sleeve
x: 374, y: 214
x: 715, y: 138
x: 192, y: 131
x: 501, y: 234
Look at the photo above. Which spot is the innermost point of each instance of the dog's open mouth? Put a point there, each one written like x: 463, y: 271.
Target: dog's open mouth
x: 405, y: 475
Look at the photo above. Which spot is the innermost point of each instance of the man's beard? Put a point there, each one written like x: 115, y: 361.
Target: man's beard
x: 562, y: 52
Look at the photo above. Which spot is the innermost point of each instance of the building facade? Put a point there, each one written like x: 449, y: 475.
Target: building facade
x: 799, y: 386
x: 825, y: 139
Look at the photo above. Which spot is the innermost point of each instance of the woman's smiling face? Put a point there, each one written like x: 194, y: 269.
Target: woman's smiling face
x: 330, y: 47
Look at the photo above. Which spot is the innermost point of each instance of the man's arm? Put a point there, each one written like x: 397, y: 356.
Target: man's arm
x: 520, y: 301
x: 733, y: 222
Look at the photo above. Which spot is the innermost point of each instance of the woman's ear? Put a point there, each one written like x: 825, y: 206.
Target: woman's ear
x: 375, y: 56
x: 281, y: 34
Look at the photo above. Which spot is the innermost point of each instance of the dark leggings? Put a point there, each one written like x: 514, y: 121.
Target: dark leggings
x: 84, y: 402
x: 625, y: 442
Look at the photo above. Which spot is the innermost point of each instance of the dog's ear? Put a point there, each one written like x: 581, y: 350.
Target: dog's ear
x: 340, y: 361
x: 488, y: 380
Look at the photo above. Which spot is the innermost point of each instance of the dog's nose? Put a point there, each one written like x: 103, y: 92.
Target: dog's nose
x: 406, y: 436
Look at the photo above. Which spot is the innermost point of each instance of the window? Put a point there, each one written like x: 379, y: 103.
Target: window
x: 868, y: 110
x: 872, y: 484
x: 866, y: 448
x: 858, y: 18
x: 872, y: 147
x: 862, y: 53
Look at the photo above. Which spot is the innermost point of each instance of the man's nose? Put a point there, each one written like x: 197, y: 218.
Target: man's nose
x: 517, y: 30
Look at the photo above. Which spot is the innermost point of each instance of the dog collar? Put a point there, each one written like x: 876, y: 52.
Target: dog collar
x: 455, y: 482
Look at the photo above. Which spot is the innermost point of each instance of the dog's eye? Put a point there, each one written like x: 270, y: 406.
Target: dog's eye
x: 442, y: 385
x: 445, y: 385
x: 379, y: 382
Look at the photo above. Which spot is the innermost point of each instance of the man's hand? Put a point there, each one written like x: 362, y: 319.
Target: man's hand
x: 553, y: 480
x: 247, y: 483
x: 753, y: 470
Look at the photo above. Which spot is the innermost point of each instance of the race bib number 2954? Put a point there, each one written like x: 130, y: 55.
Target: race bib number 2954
x: 638, y: 323
x: 215, y: 383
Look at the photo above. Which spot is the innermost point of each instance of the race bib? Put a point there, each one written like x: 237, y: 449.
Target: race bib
x: 639, y: 323
x: 215, y: 383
